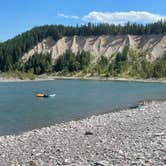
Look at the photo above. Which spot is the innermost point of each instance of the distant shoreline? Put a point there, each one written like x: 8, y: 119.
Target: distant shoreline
x: 3, y: 79
x: 112, y: 79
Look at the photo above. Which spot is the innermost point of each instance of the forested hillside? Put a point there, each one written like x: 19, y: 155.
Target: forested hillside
x: 125, y: 64
x: 12, y: 50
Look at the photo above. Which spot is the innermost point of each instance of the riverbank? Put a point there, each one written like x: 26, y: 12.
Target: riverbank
x: 111, y: 79
x: 46, y: 78
x: 127, y: 137
x: 2, y: 79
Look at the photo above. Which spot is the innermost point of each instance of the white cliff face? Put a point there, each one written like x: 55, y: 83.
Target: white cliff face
x: 153, y: 45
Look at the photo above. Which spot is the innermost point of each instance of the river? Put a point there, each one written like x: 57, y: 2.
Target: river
x: 21, y: 111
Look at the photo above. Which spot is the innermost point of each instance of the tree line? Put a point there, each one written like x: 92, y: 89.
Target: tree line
x: 70, y: 62
x: 126, y: 63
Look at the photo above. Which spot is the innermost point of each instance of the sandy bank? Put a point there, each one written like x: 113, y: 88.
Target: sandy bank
x: 127, y: 137
x: 2, y: 79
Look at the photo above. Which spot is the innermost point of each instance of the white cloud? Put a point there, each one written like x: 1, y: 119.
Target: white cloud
x: 122, y: 17
x: 67, y: 16
x: 117, y: 17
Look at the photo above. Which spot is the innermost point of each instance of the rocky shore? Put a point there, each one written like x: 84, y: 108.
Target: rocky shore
x: 48, y: 78
x: 128, y: 137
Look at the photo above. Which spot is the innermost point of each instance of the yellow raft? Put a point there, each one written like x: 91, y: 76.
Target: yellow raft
x: 40, y: 95
x: 45, y: 95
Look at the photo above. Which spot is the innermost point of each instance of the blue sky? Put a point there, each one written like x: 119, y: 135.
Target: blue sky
x: 17, y: 16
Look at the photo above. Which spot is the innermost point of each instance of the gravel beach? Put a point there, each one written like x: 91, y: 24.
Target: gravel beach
x: 127, y: 137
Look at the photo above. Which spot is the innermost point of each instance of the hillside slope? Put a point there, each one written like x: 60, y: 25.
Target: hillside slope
x: 153, y: 46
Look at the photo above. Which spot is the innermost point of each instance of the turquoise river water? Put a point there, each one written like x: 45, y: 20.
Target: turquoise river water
x: 21, y: 111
